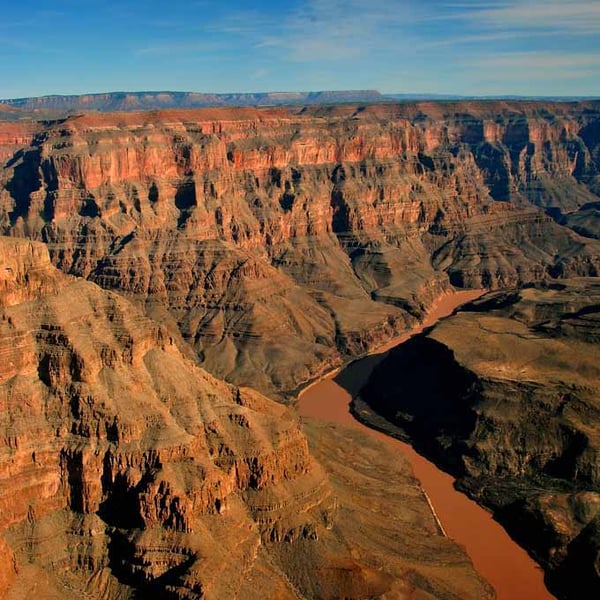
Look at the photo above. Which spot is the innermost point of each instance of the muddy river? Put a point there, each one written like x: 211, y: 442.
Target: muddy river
x: 514, y: 575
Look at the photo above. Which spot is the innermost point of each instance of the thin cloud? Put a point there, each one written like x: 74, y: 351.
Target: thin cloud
x: 552, y: 15
x: 19, y: 44
x: 528, y: 67
x: 269, y: 42
x: 475, y: 39
x: 331, y: 30
x: 48, y: 13
x: 539, y: 60
x: 259, y: 74
x: 180, y: 48
x: 165, y: 23
x: 249, y: 23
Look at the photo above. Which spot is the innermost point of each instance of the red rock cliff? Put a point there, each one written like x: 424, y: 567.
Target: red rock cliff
x: 278, y: 241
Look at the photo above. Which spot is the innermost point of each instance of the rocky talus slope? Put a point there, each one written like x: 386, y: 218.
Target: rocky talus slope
x: 381, y: 506
x: 126, y: 471
x: 506, y: 395
x: 279, y: 242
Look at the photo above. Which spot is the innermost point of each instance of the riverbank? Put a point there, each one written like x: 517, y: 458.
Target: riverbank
x: 443, y: 306
x: 509, y: 569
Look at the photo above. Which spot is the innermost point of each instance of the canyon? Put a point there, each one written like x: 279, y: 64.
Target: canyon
x: 265, y: 247
x: 495, y: 556
x: 127, y: 471
x: 278, y: 242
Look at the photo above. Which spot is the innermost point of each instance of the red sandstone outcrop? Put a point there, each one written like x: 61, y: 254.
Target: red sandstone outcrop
x: 280, y: 241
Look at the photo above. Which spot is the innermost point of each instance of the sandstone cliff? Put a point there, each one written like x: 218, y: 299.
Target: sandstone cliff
x: 127, y: 471
x: 279, y: 242
x: 506, y: 394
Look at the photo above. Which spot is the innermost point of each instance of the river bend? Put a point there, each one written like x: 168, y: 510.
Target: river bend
x: 508, y: 568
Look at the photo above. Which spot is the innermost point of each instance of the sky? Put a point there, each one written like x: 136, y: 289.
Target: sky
x: 493, y: 47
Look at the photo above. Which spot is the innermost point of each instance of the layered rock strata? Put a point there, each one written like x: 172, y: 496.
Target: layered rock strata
x: 127, y: 471
x: 122, y: 463
x: 278, y: 242
x: 506, y: 395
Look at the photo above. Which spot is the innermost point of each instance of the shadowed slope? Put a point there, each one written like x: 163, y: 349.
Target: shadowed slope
x: 505, y: 395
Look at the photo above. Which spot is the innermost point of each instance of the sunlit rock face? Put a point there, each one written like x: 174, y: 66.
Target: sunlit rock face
x: 277, y: 242
x: 121, y: 458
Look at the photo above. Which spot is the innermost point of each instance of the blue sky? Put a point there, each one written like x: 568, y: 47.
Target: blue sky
x: 531, y: 47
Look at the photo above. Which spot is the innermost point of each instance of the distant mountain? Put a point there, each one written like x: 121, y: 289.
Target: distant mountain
x: 51, y: 107
x: 130, y: 101
x: 459, y: 97
x: 420, y: 97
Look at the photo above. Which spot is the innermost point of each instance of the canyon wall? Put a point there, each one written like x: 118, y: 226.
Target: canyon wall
x: 127, y: 471
x: 279, y: 242
x: 506, y: 395
x: 126, y: 451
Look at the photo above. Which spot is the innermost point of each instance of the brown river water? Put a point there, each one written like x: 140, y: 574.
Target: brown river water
x: 508, y: 568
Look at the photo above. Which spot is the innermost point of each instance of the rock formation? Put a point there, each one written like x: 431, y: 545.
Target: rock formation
x: 278, y: 242
x: 506, y: 395
x: 127, y: 471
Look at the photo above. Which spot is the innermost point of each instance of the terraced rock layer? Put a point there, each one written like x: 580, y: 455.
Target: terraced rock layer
x: 127, y: 471
x: 122, y: 459
x: 279, y: 242
x: 506, y: 395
